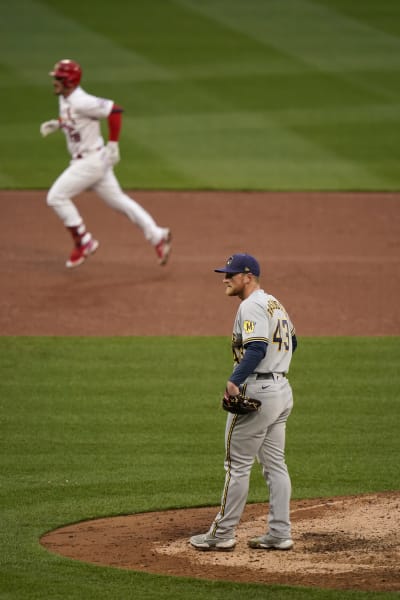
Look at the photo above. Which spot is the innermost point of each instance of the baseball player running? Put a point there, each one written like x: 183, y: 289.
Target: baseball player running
x: 92, y: 164
x: 263, y: 342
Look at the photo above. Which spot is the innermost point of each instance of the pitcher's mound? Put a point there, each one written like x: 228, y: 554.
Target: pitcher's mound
x: 343, y: 543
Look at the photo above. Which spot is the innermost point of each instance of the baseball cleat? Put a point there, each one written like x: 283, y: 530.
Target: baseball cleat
x: 206, y: 541
x: 80, y: 253
x: 163, y: 248
x: 270, y: 542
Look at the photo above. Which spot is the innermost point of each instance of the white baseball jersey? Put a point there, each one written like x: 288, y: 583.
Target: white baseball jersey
x: 261, y: 317
x: 80, y: 115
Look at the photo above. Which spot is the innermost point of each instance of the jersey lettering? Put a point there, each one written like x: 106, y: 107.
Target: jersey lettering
x: 75, y: 136
x: 281, y: 335
x: 274, y: 305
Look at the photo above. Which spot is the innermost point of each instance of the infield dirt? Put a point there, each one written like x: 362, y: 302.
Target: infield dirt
x: 332, y: 259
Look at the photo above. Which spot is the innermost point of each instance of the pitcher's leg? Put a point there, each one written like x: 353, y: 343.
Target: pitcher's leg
x: 272, y: 457
x: 233, y: 500
x: 241, y: 449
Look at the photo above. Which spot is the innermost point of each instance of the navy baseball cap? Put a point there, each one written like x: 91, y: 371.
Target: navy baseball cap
x: 240, y: 263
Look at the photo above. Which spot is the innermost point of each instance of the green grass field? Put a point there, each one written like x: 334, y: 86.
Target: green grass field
x: 287, y: 95
x: 105, y: 436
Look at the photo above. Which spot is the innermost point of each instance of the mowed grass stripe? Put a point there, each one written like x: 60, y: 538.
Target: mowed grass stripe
x: 275, y: 154
x: 320, y: 36
x: 214, y: 99
x: 60, y: 36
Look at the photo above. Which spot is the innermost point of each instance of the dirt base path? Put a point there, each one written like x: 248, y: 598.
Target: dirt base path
x: 332, y: 259
x: 341, y: 543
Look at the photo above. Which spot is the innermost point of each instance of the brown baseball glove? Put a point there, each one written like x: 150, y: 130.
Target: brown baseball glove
x: 240, y: 404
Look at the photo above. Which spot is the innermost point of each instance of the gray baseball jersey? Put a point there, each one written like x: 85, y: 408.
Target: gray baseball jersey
x: 261, y: 317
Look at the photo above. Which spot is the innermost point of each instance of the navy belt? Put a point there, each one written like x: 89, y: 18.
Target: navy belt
x: 269, y: 375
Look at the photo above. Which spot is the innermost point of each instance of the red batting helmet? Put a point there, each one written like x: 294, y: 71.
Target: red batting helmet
x: 68, y: 71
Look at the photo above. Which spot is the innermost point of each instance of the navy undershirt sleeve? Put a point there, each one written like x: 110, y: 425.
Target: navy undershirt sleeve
x: 294, y: 343
x: 255, y: 352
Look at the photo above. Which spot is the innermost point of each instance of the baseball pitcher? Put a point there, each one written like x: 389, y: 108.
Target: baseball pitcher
x: 258, y: 400
x: 92, y: 164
